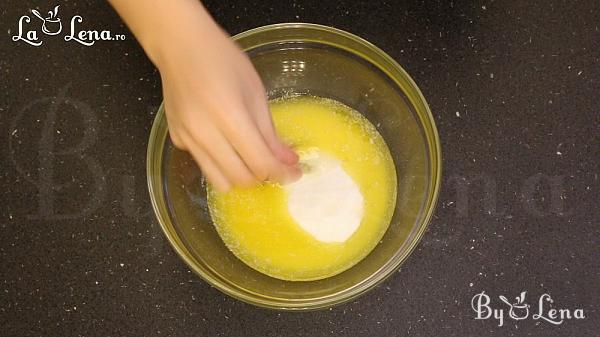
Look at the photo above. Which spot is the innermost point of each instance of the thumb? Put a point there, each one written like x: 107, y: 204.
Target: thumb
x: 262, y: 116
x: 282, y: 151
x: 288, y: 157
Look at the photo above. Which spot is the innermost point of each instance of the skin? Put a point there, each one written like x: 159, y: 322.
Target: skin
x: 215, y: 102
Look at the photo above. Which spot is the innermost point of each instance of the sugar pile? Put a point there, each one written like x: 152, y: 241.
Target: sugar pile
x: 325, y: 202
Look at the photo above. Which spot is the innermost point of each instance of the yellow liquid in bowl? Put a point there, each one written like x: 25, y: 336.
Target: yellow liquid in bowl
x: 255, y: 223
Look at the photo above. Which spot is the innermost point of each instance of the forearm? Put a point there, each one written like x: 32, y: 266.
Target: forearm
x: 157, y: 23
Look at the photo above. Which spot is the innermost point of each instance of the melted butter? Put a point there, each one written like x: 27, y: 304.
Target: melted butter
x: 255, y: 223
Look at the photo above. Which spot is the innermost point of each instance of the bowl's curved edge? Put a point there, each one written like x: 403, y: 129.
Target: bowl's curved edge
x: 358, y: 289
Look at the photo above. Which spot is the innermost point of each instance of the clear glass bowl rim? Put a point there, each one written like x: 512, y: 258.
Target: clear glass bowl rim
x: 159, y: 132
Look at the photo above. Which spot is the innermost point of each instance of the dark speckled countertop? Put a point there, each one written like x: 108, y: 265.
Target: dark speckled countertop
x: 514, y: 87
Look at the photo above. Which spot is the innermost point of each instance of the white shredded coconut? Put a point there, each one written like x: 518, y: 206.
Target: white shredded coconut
x: 325, y: 202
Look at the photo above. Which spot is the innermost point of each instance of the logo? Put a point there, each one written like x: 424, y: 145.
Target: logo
x: 51, y: 25
x: 52, y: 20
x: 519, y: 309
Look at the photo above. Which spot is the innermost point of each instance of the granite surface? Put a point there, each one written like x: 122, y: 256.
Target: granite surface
x: 514, y: 87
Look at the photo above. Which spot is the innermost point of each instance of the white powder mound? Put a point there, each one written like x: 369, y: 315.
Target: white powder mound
x: 325, y: 202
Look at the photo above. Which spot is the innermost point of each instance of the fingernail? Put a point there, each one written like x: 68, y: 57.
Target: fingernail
x: 287, y: 154
x: 294, y: 173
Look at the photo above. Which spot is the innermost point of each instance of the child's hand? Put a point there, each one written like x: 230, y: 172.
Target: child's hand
x: 217, y: 110
x: 215, y: 102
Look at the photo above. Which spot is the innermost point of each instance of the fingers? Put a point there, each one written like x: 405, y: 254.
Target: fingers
x: 210, y: 139
x: 176, y: 140
x: 210, y: 170
x: 282, y: 151
x: 242, y: 131
x: 234, y: 141
x: 257, y: 101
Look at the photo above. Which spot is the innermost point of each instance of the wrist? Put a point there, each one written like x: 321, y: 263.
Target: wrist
x: 176, y: 33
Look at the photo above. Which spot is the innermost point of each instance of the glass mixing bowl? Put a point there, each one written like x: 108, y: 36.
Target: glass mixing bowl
x: 298, y: 58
